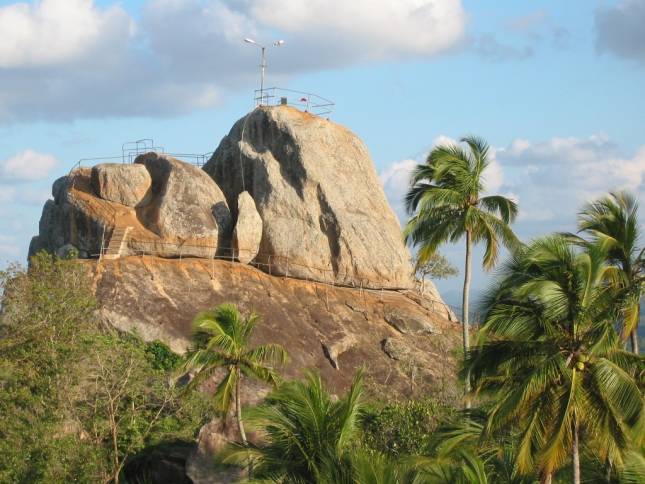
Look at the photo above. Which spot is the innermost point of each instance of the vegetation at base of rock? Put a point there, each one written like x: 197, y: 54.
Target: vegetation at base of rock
x: 403, y: 428
x: 78, y: 400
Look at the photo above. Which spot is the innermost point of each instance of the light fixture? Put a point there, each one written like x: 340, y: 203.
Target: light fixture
x: 263, y: 65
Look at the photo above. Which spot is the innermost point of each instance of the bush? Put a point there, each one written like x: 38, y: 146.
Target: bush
x: 403, y: 428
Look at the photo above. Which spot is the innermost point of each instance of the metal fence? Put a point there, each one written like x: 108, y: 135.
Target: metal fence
x: 306, y: 101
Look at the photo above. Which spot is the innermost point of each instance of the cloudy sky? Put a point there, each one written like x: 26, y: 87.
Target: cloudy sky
x: 555, y: 87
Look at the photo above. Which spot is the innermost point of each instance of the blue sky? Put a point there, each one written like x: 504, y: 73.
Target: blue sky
x: 555, y: 87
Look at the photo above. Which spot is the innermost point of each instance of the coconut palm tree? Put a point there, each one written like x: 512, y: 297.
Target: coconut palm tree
x: 551, y: 358
x: 613, y: 222
x: 446, y: 203
x: 223, y: 341
x: 308, y: 434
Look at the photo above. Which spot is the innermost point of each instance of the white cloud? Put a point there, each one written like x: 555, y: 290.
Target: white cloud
x: 27, y: 165
x: 396, y: 179
x: 367, y: 29
x: 51, y: 32
x: 70, y: 59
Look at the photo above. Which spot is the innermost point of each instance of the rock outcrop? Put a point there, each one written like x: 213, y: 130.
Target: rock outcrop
x: 247, y: 234
x: 170, y: 208
x: 325, y: 215
x: 333, y: 329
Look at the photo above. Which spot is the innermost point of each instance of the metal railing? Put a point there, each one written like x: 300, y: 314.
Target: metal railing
x: 306, y: 101
x: 132, y: 149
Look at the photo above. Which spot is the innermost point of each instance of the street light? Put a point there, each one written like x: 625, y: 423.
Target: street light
x: 263, y: 65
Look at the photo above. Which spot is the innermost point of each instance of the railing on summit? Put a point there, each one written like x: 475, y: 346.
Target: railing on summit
x: 306, y: 101
x: 131, y: 149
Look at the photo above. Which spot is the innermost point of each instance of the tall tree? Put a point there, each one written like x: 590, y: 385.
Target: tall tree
x: 612, y: 221
x: 446, y: 203
x: 552, y: 359
x: 223, y: 341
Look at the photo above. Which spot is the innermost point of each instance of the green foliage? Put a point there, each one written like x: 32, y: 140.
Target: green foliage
x: 76, y: 399
x: 309, y: 434
x: 436, y: 266
x: 612, y: 223
x: 403, y: 428
x: 551, y: 360
x: 161, y: 356
x: 445, y: 202
x: 222, y: 340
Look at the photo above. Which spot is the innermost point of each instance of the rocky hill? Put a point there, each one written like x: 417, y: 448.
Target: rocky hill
x: 287, y: 219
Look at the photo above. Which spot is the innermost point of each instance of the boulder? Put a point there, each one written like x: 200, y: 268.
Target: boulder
x: 167, y: 208
x: 248, y: 229
x: 325, y: 216
x: 408, y: 322
x: 396, y: 348
x: 186, y: 202
x: 127, y: 184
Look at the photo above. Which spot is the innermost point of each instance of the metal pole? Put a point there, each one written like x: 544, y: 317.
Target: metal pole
x: 263, y: 66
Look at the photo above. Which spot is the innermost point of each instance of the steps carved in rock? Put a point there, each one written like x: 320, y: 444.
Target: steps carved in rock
x: 117, y: 242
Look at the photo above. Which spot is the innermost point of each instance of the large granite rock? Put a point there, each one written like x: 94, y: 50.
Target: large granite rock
x: 247, y: 234
x: 325, y: 215
x: 186, y: 203
x: 172, y: 209
x: 123, y: 183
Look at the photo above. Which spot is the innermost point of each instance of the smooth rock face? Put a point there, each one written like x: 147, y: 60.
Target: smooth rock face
x: 247, y: 234
x: 127, y: 184
x: 185, y: 203
x: 324, y: 212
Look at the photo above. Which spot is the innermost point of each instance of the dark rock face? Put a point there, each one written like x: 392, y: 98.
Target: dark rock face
x: 324, y: 212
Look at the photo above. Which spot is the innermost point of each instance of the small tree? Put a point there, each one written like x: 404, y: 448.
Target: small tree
x: 222, y: 339
x: 436, y: 267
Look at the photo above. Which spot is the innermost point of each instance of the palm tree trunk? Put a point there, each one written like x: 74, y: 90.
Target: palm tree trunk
x: 546, y: 477
x: 238, y: 406
x: 576, y: 453
x: 634, y: 333
x: 465, y: 310
x: 634, y: 338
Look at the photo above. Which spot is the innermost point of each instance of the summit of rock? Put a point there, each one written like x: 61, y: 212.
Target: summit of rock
x: 325, y: 215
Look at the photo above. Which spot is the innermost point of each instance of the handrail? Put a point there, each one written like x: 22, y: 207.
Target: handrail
x: 307, y: 101
x: 196, y: 159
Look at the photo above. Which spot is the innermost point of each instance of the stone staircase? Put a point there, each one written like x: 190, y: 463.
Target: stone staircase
x: 117, y: 242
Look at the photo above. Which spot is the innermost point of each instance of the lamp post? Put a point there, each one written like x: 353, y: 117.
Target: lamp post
x: 263, y: 65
